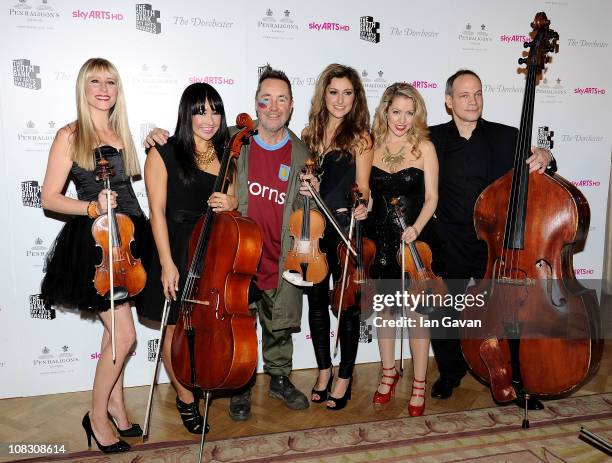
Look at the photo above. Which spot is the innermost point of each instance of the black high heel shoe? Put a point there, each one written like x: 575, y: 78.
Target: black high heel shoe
x: 340, y: 403
x: 190, y: 414
x: 117, y: 447
x: 134, y: 431
x: 322, y: 393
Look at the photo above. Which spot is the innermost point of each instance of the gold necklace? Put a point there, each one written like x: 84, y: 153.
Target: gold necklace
x: 203, y: 159
x: 392, y: 161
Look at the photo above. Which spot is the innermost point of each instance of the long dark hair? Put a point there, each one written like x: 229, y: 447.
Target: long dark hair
x: 351, y: 130
x: 192, y: 102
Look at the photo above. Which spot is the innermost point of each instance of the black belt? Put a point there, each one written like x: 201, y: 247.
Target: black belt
x: 185, y: 216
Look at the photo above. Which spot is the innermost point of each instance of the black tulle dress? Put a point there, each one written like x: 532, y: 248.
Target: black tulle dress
x: 70, y: 263
x: 185, y: 204
x: 409, y: 185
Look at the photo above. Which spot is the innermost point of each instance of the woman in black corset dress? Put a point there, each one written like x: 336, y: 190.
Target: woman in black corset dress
x: 101, y: 128
x: 180, y: 177
x: 405, y: 165
x: 337, y: 135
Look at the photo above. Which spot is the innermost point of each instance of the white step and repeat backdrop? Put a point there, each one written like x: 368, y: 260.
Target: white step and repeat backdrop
x: 161, y: 47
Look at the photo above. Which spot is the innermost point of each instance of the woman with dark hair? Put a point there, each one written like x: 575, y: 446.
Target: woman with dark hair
x: 180, y: 177
x: 337, y: 135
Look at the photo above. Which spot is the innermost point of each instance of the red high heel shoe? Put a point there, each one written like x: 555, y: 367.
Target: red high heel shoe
x: 379, y: 397
x: 417, y: 410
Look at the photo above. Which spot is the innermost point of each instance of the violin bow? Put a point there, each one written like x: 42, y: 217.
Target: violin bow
x: 344, y: 272
x: 110, y: 259
x: 162, y: 332
x: 329, y: 216
x: 403, y: 276
x: 110, y: 267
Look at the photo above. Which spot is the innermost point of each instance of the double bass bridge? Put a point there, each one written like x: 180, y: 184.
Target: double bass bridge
x: 516, y: 281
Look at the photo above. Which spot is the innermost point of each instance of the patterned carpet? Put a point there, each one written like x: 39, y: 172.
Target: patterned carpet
x: 488, y: 435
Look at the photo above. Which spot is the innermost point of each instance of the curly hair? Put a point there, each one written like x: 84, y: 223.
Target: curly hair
x: 349, y: 135
x: 418, y: 132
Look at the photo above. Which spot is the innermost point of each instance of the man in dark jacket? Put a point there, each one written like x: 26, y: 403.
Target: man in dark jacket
x: 472, y: 154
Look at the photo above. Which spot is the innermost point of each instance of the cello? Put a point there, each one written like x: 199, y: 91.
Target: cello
x: 540, y: 328
x: 215, y: 342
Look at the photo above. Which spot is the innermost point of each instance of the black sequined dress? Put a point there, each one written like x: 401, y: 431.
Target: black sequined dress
x: 409, y: 185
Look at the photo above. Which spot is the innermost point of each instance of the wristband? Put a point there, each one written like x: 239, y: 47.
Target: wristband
x: 92, y: 210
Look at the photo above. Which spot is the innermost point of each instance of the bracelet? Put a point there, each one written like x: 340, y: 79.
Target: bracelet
x: 415, y: 229
x: 92, y: 210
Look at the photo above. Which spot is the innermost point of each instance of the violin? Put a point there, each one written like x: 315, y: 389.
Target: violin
x: 540, y: 329
x: 348, y: 291
x: 119, y: 275
x: 416, y: 262
x: 306, y: 227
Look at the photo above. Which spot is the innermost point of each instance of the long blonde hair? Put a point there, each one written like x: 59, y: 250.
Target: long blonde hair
x: 350, y: 133
x: 84, y: 137
x: 418, y: 132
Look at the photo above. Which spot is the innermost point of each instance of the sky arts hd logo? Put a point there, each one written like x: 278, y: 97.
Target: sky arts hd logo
x: 369, y: 29
x: 25, y: 74
x: 147, y: 19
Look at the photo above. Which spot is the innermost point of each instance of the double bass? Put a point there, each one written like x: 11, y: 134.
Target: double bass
x: 541, y: 329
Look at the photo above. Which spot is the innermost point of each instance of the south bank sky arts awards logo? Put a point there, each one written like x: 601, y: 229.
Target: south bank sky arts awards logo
x: 152, y: 349
x: 39, y: 309
x: 369, y: 30
x: 147, y: 19
x: 30, y: 193
x: 25, y: 74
